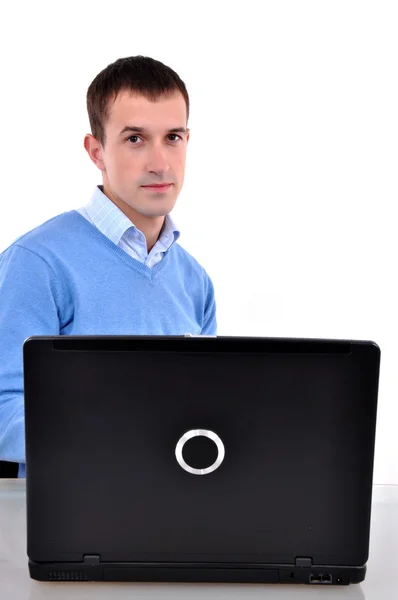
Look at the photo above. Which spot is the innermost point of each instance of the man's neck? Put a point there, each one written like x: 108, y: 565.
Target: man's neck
x: 151, y: 227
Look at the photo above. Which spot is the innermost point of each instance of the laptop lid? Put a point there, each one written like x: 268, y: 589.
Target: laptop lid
x: 279, y: 433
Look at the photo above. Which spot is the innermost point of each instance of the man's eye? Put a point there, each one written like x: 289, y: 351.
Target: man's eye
x: 137, y: 137
x: 175, y: 135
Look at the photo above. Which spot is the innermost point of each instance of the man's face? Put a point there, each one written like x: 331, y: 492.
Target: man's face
x: 153, y: 154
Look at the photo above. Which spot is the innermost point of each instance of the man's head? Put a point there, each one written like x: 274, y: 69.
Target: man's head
x: 138, y: 110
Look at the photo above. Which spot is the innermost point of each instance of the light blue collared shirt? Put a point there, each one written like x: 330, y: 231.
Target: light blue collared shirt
x: 116, y: 226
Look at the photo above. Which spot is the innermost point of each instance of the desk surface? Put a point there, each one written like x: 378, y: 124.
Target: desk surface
x: 381, y: 582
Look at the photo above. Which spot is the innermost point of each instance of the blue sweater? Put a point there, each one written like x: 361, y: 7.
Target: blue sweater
x: 67, y: 278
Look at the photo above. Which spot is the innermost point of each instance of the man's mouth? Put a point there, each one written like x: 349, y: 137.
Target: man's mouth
x: 159, y: 187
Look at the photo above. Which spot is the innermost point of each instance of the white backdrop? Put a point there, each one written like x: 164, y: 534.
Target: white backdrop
x: 290, y: 193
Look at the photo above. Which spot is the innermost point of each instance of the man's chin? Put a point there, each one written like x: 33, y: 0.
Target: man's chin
x: 156, y: 212
x: 151, y: 214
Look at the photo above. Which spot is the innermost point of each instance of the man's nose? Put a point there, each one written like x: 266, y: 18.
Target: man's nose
x: 157, y: 160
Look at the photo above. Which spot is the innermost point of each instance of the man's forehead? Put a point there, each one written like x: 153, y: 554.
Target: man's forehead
x: 130, y: 105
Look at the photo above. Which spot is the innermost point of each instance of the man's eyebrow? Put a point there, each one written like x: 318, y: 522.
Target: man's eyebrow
x: 137, y: 129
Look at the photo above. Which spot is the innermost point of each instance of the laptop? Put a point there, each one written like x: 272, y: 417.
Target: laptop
x: 199, y: 459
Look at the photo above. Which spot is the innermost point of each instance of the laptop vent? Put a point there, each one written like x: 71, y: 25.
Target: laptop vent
x: 67, y: 576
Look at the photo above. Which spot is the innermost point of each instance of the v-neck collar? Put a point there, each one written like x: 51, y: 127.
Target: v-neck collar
x: 147, y: 272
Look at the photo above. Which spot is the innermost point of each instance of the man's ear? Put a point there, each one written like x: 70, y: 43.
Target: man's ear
x: 94, y: 150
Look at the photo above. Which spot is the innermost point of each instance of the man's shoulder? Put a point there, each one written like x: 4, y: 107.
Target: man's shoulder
x: 48, y: 234
x: 187, y: 258
x: 189, y: 262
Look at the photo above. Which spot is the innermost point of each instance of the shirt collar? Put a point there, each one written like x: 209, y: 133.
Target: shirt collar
x: 113, y: 223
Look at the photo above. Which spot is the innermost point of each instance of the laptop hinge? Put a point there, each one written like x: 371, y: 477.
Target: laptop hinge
x: 303, y: 562
x: 91, y: 559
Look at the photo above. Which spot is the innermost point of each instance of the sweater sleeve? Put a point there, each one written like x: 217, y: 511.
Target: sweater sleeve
x: 28, y: 306
x: 209, y: 326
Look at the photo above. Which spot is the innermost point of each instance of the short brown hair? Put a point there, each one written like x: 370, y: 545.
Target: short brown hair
x: 140, y: 74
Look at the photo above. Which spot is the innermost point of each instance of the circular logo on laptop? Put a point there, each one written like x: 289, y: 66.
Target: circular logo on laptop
x: 200, y: 451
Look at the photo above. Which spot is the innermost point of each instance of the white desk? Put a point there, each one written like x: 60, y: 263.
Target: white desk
x: 381, y: 582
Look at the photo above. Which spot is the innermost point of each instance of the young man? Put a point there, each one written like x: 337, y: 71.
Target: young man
x: 113, y: 266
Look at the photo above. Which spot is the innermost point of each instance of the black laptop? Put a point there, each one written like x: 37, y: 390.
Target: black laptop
x: 200, y: 459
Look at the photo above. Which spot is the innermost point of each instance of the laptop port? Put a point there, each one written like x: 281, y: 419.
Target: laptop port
x: 321, y: 578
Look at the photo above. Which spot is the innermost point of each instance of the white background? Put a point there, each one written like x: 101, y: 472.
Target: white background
x: 290, y: 193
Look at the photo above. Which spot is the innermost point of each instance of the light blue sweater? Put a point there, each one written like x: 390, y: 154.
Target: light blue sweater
x: 67, y: 278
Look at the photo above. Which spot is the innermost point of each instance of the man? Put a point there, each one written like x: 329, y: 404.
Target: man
x: 113, y: 266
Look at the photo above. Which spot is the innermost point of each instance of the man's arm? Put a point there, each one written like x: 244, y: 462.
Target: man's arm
x: 209, y: 326
x: 28, y: 306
